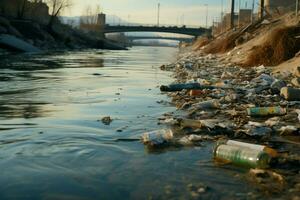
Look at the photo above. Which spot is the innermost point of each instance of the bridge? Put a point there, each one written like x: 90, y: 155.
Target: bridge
x: 162, y: 29
x: 132, y: 38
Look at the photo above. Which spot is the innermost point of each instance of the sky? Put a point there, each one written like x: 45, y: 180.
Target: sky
x: 172, y: 12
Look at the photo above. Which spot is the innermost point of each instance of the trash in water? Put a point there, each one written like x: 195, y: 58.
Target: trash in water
x: 241, y: 155
x: 272, y: 152
x: 106, y: 120
x: 158, y: 137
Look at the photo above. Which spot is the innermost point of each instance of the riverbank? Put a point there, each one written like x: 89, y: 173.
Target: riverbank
x: 232, y: 89
x: 58, y: 37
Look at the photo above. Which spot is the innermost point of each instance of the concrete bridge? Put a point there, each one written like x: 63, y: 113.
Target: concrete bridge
x: 162, y: 29
x: 180, y: 39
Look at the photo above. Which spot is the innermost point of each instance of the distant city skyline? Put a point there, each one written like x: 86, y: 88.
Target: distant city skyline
x: 176, y: 12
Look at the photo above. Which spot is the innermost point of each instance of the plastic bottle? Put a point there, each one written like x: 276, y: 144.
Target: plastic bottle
x: 266, y: 111
x: 158, y: 137
x: 242, y: 156
x: 190, y: 123
x: 194, y: 93
x: 211, y: 104
x: 268, y: 150
x: 183, y: 86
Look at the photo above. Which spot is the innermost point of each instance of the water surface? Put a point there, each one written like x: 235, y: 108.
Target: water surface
x: 53, y: 145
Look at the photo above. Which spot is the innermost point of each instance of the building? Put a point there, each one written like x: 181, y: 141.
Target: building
x: 278, y: 7
x: 245, y: 16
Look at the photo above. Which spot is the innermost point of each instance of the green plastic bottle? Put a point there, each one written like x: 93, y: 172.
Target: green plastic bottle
x: 242, y: 156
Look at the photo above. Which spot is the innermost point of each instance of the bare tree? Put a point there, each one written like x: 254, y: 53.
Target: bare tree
x: 90, y: 16
x: 21, y: 8
x: 56, y: 7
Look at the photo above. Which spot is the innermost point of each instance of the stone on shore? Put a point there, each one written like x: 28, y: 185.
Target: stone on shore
x: 12, y: 43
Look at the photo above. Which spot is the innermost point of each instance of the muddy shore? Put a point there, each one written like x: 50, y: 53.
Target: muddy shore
x: 237, y: 89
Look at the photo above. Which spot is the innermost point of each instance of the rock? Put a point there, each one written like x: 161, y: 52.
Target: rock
x: 13, y: 31
x: 3, y: 30
x: 296, y: 82
x: 4, y: 22
x: 226, y: 75
x: 259, y: 131
x: 288, y: 130
x: 106, y: 120
x: 260, y: 69
x: 298, y: 112
x: 273, y: 121
x: 13, y: 43
x: 267, y: 180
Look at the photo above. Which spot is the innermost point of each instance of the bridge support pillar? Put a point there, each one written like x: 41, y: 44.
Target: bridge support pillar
x: 101, y: 22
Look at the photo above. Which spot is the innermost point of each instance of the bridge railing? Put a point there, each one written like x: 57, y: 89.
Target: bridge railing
x: 155, y: 25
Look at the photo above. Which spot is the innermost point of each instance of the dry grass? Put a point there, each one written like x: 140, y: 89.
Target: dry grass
x: 222, y: 45
x: 200, y: 42
x: 281, y: 45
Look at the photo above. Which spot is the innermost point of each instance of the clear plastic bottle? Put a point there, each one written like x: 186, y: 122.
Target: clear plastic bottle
x: 190, y: 123
x: 158, y: 137
x: 268, y: 150
x: 211, y: 104
x: 242, y: 156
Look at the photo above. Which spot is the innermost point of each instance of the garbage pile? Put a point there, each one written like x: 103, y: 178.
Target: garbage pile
x: 227, y: 102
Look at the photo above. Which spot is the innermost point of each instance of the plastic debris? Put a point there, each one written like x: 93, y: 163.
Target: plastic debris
x: 243, y: 156
x: 290, y: 94
x: 266, y: 111
x: 158, y: 137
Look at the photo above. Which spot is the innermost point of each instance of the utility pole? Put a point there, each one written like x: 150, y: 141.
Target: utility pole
x: 158, y: 13
x: 262, y: 9
x: 297, y: 7
x: 222, y: 12
x: 206, y: 18
x: 252, y: 14
x: 232, y: 14
x: 239, y: 22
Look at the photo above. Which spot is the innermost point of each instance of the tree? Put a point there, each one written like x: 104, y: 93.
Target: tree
x: 21, y: 8
x: 56, y: 7
x: 90, y: 16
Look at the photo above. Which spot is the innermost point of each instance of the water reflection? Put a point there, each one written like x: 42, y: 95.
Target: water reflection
x: 54, y: 146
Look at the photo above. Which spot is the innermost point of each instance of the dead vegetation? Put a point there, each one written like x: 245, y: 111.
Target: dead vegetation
x: 222, y: 45
x: 281, y: 45
x: 200, y: 42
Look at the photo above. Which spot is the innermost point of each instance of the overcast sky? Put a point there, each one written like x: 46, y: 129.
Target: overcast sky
x: 189, y: 12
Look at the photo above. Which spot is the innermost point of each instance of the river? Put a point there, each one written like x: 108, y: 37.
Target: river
x: 54, y: 146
